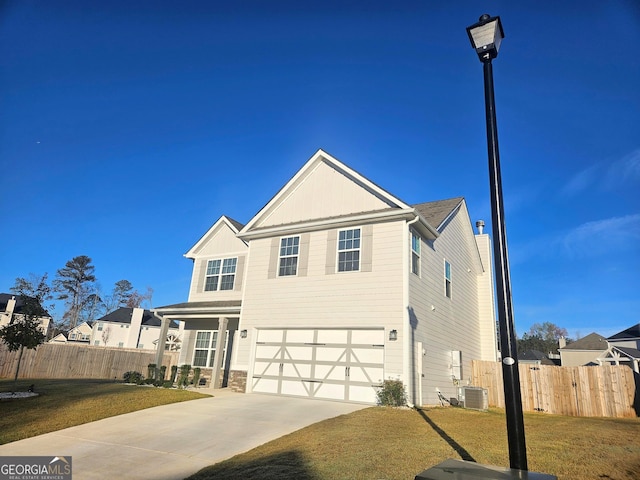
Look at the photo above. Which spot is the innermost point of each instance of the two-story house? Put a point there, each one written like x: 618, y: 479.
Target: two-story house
x: 133, y: 328
x: 336, y: 285
x: 12, y: 306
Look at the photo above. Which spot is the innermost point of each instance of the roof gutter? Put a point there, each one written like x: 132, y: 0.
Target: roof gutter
x: 386, y: 215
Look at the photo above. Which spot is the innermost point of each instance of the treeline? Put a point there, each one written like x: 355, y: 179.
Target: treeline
x: 75, y: 284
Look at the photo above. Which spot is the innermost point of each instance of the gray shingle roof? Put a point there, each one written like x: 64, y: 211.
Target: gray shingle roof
x: 535, y: 355
x: 123, y: 315
x: 235, y: 223
x: 5, y: 297
x: 631, y: 352
x: 593, y: 341
x: 436, y: 212
x: 631, y: 332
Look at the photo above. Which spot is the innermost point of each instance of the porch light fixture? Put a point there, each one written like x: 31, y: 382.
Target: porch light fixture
x: 243, y: 334
x: 393, y: 335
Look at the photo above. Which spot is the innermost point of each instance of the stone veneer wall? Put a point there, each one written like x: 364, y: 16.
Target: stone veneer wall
x: 237, y: 381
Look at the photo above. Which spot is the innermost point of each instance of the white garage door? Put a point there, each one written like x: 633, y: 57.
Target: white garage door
x: 320, y: 363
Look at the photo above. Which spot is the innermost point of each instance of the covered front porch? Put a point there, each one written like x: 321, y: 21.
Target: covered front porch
x: 209, y: 335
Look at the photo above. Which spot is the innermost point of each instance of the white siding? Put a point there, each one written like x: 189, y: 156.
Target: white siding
x: 323, y: 193
x: 442, y: 324
x: 486, y: 301
x: 220, y: 243
x: 320, y: 299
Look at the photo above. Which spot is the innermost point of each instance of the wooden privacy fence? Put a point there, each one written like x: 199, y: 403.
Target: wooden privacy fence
x: 595, y: 391
x: 65, y: 360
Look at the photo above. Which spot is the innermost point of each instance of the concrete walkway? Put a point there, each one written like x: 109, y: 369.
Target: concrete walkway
x: 174, y: 441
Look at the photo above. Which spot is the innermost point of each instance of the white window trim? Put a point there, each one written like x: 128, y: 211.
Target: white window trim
x: 210, y: 349
x: 280, y: 257
x: 219, y: 275
x: 448, y: 281
x: 338, y: 251
x: 417, y: 253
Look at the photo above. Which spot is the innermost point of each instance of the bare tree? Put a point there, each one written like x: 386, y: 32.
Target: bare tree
x: 136, y: 299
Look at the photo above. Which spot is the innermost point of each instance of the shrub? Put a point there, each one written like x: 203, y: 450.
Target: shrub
x: 167, y: 384
x: 151, y: 370
x: 148, y: 381
x: 183, y: 379
x: 196, y: 376
x: 133, y: 377
x: 174, y: 372
x: 163, y: 372
x: 392, y: 394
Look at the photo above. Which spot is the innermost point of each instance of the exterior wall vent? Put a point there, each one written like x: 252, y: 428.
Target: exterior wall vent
x: 475, y: 398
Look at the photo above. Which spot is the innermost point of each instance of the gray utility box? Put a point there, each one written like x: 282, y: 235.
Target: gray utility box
x: 475, y: 397
x: 462, y: 470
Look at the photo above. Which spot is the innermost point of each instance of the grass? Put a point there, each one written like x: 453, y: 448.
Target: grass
x: 65, y: 403
x: 387, y: 443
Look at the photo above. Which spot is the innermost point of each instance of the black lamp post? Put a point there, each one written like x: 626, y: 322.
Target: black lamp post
x: 486, y: 36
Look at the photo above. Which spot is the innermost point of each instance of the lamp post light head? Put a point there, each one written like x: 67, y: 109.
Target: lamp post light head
x: 486, y: 36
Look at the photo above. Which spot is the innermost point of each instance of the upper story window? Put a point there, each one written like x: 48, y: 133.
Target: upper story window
x: 221, y: 274
x: 415, y: 254
x: 289, y: 249
x: 447, y: 279
x: 349, y: 250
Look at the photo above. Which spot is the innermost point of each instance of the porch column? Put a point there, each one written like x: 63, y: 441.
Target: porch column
x: 217, y: 359
x: 162, y: 339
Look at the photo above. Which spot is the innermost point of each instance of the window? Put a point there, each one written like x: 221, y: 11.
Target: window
x: 96, y: 342
x: 447, y: 279
x: 100, y: 327
x: 289, y: 249
x: 72, y: 336
x: 120, y: 344
x: 205, y: 349
x: 415, y: 254
x: 85, y: 337
x: 220, y: 274
x: 349, y: 250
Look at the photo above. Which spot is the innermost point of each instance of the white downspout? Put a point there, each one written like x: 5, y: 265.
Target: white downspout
x: 408, y: 374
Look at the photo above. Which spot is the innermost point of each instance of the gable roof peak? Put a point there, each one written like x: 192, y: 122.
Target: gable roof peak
x: 319, y: 158
x: 234, y: 225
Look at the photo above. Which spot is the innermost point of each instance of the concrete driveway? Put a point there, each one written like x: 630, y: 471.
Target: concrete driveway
x: 175, y: 441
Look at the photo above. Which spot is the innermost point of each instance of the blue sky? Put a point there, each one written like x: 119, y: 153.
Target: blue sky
x: 128, y: 128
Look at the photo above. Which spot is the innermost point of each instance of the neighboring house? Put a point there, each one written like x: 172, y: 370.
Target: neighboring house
x: 78, y: 334
x: 629, y: 338
x: 59, y: 338
x: 624, y: 347
x: 132, y: 328
x: 535, y: 357
x: 585, y: 351
x: 336, y: 285
x: 11, y: 305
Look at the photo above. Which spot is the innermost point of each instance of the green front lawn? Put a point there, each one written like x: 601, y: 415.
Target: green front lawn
x: 386, y: 443
x: 65, y: 403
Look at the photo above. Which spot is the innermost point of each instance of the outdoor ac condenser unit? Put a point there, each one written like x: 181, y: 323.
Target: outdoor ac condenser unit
x: 476, y: 398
